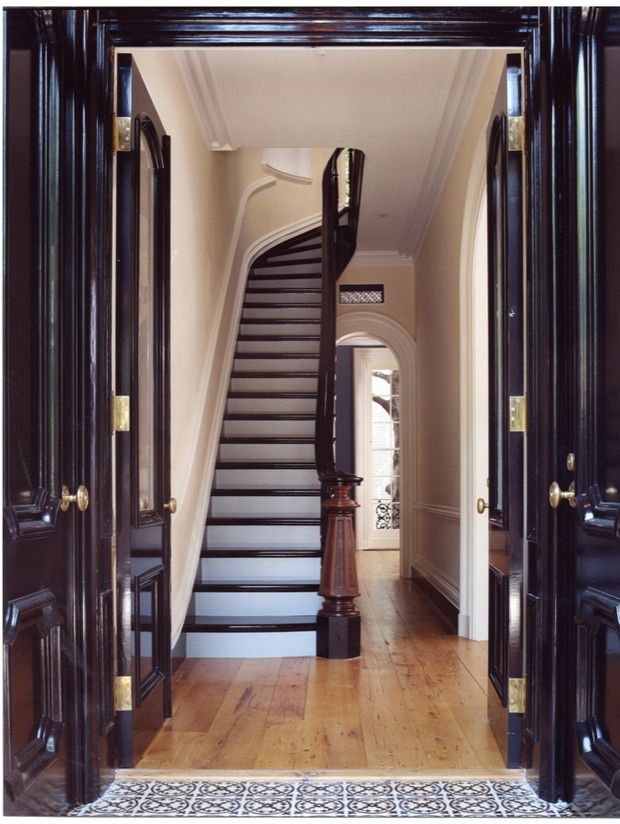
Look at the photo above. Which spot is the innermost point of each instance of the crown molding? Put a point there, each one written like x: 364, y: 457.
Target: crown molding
x: 468, y: 76
x: 195, y: 70
x: 387, y: 257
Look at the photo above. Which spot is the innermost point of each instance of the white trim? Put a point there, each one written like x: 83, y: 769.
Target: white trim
x: 387, y: 257
x: 398, y: 339
x: 463, y: 93
x: 450, y: 513
x: 195, y: 70
x: 473, y: 447
x: 438, y: 578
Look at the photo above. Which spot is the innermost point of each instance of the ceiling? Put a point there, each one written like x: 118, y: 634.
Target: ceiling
x: 404, y: 107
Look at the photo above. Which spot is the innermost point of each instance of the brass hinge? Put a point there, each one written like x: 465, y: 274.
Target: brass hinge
x: 120, y: 413
x: 516, y: 695
x: 516, y: 130
x: 121, y: 131
x: 122, y: 693
x: 518, y: 413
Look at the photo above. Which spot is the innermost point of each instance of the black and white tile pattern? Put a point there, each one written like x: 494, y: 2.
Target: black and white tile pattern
x: 324, y: 798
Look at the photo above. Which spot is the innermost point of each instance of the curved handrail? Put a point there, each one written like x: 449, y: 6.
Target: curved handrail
x: 339, y: 238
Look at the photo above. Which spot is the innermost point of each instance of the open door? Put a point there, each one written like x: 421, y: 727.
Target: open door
x: 143, y: 502
x: 589, y: 481
x: 506, y: 414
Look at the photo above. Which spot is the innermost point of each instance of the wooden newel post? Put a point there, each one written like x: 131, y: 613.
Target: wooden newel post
x: 338, y: 620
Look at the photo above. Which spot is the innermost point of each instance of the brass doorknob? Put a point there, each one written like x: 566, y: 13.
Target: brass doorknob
x: 80, y: 499
x: 481, y: 505
x: 171, y: 505
x: 556, y: 495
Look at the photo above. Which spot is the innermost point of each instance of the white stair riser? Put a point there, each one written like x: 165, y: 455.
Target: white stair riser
x: 264, y: 537
x: 295, y: 268
x: 311, y: 280
x: 266, y: 477
x: 278, y: 405
x: 275, y: 344
x: 256, y: 603
x: 308, y: 311
x: 251, y: 644
x: 279, y: 328
x: 266, y: 451
x: 276, y: 364
x: 299, y: 507
x: 311, y: 298
x: 300, y: 429
x: 247, y: 569
x: 273, y: 384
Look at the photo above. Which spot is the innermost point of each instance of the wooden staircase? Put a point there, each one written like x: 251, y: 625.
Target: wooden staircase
x: 255, y: 594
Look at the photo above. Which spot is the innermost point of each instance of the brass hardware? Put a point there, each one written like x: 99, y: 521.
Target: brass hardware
x: 481, y: 505
x: 556, y: 495
x: 171, y: 505
x: 516, y: 695
x: 122, y: 134
x: 122, y: 693
x: 570, y: 462
x: 516, y: 129
x: 80, y: 499
x: 120, y: 413
x: 518, y: 413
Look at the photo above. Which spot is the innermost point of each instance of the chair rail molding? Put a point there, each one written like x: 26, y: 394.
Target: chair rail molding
x: 402, y: 344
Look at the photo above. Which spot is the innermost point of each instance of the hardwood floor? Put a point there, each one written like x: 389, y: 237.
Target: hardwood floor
x: 414, y: 700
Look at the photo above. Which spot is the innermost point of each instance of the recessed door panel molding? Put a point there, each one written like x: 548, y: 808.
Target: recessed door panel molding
x: 33, y: 688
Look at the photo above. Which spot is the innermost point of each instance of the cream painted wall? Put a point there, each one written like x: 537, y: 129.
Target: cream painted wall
x: 223, y: 205
x: 399, y: 292
x: 438, y: 340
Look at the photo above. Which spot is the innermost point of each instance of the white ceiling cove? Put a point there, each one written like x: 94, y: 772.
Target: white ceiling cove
x: 405, y: 108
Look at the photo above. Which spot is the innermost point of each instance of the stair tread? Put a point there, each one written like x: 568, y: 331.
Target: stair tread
x: 293, y: 250
x: 280, y: 290
x: 277, y: 519
x: 236, y: 373
x: 279, y: 305
x: 255, y: 338
x: 248, y: 491
x: 247, y: 552
x: 276, y: 355
x: 281, y: 464
x: 297, y: 321
x: 237, y: 393
x: 255, y: 439
x: 269, y: 416
x: 285, y: 276
x: 251, y: 623
x: 256, y: 585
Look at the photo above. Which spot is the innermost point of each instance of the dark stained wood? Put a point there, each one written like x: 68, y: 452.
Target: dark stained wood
x: 151, y: 675
x: 506, y: 376
x: 338, y: 620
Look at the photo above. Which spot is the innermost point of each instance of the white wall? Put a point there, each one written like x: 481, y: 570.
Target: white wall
x: 439, y: 338
x: 223, y: 205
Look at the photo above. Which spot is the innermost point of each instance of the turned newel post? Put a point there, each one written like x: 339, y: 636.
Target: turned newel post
x: 338, y: 620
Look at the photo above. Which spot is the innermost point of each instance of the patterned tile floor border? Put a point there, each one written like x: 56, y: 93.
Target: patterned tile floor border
x: 311, y: 798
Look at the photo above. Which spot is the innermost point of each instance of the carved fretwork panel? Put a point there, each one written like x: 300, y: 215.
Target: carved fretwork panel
x: 598, y: 684
x: 33, y: 689
x: 498, y: 628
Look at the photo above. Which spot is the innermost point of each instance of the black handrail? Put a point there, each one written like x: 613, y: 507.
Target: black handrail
x: 339, y: 238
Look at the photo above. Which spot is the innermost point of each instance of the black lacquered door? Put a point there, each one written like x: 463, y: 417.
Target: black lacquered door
x: 143, y: 502
x: 506, y: 413
x: 590, y: 481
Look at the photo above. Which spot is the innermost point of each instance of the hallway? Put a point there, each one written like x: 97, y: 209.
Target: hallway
x: 415, y: 700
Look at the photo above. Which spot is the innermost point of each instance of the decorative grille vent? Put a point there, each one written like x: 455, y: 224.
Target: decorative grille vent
x: 370, y: 293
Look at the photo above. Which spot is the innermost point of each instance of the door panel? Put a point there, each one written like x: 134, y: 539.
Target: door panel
x: 143, y: 453
x: 596, y: 382
x: 506, y: 444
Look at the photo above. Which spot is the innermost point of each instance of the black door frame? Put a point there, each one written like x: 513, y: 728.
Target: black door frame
x: 546, y: 37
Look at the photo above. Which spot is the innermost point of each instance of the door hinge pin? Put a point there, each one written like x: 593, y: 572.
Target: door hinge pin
x: 516, y: 695
x: 120, y: 413
x: 121, y: 132
x: 122, y: 693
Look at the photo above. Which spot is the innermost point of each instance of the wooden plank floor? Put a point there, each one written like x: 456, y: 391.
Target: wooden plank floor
x: 414, y: 700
